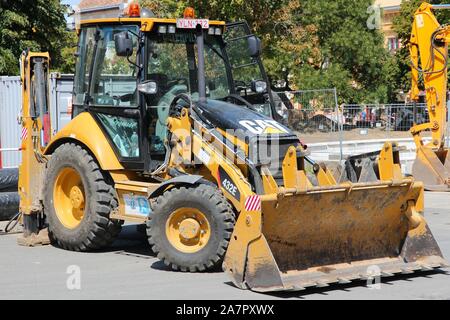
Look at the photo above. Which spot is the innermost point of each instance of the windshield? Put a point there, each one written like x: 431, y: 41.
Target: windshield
x: 172, y: 62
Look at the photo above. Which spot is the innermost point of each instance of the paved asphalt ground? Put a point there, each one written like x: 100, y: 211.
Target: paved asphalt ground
x: 128, y: 271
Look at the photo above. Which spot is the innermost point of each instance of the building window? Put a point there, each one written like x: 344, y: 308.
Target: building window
x: 393, y: 44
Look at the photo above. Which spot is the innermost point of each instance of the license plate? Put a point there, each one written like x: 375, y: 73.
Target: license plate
x: 192, y: 23
x: 136, y: 205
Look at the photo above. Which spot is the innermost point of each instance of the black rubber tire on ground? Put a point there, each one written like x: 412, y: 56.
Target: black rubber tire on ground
x: 9, y: 180
x: 96, y: 230
x: 220, y: 216
x: 9, y: 205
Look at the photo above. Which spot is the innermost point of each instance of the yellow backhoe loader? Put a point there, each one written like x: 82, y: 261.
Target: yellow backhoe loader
x: 429, y: 57
x: 174, y: 126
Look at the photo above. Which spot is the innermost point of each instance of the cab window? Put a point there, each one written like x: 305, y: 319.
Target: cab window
x: 114, y: 78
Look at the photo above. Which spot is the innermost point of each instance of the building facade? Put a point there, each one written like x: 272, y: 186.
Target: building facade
x: 389, y: 10
x: 94, y: 9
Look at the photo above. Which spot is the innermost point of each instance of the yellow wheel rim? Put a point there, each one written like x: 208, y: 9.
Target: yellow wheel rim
x: 188, y: 230
x: 69, y: 198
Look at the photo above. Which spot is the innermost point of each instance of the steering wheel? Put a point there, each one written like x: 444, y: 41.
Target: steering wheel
x: 237, y: 97
x: 240, y: 85
x: 179, y: 81
x: 125, y: 98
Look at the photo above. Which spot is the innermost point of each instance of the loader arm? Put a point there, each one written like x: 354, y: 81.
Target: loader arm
x: 429, y: 56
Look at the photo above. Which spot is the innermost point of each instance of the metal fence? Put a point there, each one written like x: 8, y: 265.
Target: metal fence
x: 382, y: 120
x: 311, y: 112
x: 334, y: 131
x: 61, y: 87
x: 316, y: 117
x: 10, y: 104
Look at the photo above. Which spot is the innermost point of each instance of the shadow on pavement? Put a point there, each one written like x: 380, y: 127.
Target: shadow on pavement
x: 132, y: 242
x: 159, y: 265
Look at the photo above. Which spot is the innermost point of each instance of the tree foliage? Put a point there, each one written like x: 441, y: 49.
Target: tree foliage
x: 38, y: 25
x: 352, y: 56
x: 310, y: 44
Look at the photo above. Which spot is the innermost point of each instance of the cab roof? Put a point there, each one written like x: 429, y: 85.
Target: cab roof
x: 147, y: 24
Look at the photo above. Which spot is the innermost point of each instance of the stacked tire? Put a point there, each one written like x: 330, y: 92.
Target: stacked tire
x: 9, y: 197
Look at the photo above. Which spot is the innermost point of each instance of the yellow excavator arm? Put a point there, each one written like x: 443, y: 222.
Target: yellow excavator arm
x: 429, y: 56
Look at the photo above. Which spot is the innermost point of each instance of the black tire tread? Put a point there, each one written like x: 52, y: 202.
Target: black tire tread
x: 9, y: 205
x: 104, y: 230
x: 9, y: 180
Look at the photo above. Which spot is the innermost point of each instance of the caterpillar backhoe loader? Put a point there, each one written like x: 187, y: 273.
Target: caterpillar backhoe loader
x: 429, y: 57
x: 174, y: 126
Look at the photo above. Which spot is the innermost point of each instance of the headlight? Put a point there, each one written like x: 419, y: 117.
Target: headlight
x: 214, y: 31
x: 172, y: 29
x: 259, y: 86
x: 162, y: 29
x: 148, y: 87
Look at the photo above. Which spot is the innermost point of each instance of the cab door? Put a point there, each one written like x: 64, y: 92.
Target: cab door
x: 106, y: 87
x: 247, y: 67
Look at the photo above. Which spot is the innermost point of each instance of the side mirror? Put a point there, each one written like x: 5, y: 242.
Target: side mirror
x: 149, y: 87
x: 123, y: 44
x: 254, y: 46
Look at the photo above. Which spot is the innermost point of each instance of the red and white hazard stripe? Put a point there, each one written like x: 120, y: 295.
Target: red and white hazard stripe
x: 24, y: 133
x: 253, y: 203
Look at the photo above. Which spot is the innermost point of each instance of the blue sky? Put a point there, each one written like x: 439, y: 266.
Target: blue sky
x: 71, y: 2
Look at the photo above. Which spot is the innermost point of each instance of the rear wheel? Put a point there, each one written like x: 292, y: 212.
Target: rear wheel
x: 78, y: 201
x: 190, y: 228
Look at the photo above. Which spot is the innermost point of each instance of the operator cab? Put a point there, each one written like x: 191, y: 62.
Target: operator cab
x: 130, y: 70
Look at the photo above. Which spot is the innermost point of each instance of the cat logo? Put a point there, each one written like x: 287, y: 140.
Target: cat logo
x: 263, y: 127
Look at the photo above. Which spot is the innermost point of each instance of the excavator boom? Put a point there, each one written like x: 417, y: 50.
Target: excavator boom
x: 429, y: 56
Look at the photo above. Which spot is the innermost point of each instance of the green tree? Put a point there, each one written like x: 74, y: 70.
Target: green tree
x: 164, y: 8
x: 38, y: 25
x: 401, y: 75
x: 313, y: 44
x: 352, y: 55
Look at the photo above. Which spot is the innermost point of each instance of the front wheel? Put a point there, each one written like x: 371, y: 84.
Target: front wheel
x: 190, y: 228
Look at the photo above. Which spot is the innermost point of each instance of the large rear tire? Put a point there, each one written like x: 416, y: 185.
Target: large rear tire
x: 78, y: 201
x: 190, y: 228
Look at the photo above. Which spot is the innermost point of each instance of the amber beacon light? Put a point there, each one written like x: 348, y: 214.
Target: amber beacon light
x: 134, y: 11
x: 189, y: 13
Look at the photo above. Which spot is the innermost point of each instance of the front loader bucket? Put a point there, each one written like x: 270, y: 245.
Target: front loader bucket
x: 433, y: 168
x: 340, y: 235
x: 334, y: 235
